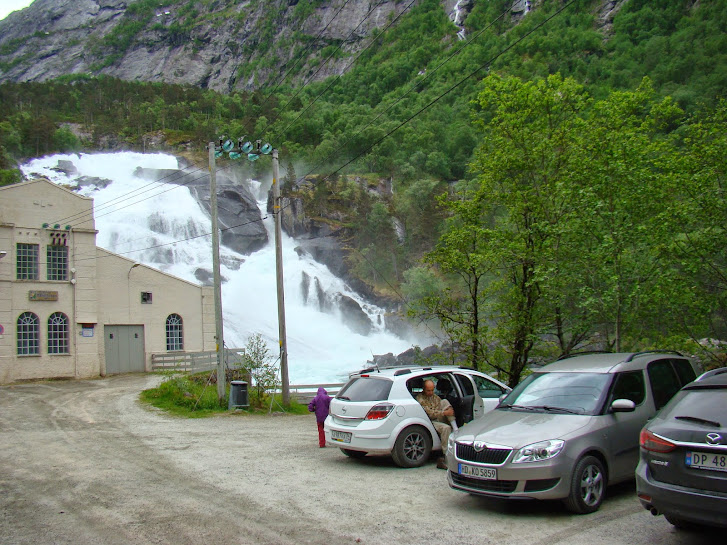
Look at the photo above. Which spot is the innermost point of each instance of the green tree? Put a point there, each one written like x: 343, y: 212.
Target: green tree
x: 261, y: 365
x: 698, y: 248
x: 531, y: 147
x: 623, y: 203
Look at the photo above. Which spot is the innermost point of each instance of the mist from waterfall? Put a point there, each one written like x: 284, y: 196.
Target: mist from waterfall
x: 163, y: 226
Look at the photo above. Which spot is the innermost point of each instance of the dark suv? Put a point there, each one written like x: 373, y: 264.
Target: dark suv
x: 683, y: 469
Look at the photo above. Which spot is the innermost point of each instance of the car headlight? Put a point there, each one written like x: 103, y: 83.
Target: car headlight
x: 537, y: 452
x: 450, y: 444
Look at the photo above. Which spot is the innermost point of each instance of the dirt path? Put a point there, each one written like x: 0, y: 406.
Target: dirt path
x: 83, y: 462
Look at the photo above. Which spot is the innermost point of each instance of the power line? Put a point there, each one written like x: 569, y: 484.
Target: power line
x: 413, y: 86
x: 445, y: 93
x: 421, y: 110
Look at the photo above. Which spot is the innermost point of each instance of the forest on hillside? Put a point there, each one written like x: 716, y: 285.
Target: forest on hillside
x: 556, y: 188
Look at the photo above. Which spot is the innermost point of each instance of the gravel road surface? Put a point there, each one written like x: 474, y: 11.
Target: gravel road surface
x: 83, y: 462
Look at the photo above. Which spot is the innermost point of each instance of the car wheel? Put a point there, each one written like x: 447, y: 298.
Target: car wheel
x: 412, y: 447
x: 679, y: 523
x: 587, y: 487
x: 353, y: 453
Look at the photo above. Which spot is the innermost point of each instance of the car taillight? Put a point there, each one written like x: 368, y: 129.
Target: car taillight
x: 649, y: 441
x: 380, y: 411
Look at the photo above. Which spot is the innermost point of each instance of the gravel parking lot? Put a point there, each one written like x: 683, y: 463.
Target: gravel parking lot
x: 84, y: 462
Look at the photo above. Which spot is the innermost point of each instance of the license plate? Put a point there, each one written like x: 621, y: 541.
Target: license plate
x: 341, y: 436
x: 705, y: 460
x: 478, y: 472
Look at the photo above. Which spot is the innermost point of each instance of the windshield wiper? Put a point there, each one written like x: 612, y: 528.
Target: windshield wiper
x: 699, y: 420
x: 509, y: 406
x: 550, y: 408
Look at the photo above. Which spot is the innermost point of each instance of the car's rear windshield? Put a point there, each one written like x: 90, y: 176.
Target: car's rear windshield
x: 578, y: 393
x: 366, y: 389
x: 705, y: 403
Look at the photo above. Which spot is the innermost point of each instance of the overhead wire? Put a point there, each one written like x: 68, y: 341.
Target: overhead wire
x: 421, y: 110
x: 445, y: 93
x: 86, y: 216
x: 415, y: 85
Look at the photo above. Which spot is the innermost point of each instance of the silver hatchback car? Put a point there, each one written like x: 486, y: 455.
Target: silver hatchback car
x: 568, y: 430
x: 376, y: 411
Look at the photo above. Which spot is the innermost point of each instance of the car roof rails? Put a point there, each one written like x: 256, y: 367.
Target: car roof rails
x: 637, y: 354
x: 375, y: 367
x: 582, y: 353
x: 402, y: 372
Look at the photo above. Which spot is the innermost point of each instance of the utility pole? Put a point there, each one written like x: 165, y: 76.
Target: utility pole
x: 219, y: 338
x: 282, y: 337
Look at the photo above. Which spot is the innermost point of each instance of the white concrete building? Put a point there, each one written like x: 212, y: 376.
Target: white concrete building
x: 69, y: 309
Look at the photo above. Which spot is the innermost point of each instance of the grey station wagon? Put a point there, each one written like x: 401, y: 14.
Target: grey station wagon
x: 568, y: 430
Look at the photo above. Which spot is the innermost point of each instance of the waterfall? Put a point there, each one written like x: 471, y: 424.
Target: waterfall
x: 160, y: 225
x: 457, y: 18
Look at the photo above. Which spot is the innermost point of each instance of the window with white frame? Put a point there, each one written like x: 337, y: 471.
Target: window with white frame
x: 58, y: 333
x: 28, y: 334
x: 57, y: 262
x: 26, y: 265
x: 175, y: 340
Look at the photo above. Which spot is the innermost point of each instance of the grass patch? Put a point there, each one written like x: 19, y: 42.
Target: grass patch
x: 191, y: 396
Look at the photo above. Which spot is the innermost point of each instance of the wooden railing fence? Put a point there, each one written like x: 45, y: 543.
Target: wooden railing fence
x: 195, y: 362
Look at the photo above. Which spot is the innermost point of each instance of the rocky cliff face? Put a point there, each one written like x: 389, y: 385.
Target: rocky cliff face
x: 210, y: 45
x: 224, y: 45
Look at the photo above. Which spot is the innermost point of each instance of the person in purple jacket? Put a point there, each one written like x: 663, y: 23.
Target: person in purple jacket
x: 319, y: 405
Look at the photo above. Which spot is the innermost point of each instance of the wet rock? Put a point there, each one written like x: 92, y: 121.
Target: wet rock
x: 353, y: 315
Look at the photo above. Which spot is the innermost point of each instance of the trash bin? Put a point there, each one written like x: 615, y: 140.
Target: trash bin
x: 238, y: 394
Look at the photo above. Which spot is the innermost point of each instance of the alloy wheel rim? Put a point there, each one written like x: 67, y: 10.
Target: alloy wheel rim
x: 591, y: 486
x: 413, y: 447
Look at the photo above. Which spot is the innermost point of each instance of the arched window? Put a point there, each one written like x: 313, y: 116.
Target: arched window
x: 58, y: 333
x: 175, y: 339
x: 28, y: 334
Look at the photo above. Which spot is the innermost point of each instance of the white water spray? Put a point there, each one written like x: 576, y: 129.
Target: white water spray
x: 160, y: 225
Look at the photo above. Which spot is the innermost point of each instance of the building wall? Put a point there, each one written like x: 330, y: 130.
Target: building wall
x: 121, y: 282
x: 38, y: 212
x: 102, y: 288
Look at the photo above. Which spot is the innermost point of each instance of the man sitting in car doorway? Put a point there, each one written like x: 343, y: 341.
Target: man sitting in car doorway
x: 440, y: 412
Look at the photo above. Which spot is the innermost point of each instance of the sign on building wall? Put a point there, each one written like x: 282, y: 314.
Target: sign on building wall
x: 34, y: 295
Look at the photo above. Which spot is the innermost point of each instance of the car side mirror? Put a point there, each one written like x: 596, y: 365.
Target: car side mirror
x: 623, y: 406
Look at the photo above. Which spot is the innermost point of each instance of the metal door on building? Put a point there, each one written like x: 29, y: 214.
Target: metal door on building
x: 124, y: 347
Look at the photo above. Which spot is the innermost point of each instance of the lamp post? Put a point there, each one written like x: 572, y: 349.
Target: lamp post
x: 253, y: 152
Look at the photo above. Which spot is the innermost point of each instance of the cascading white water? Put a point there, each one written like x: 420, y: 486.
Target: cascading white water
x: 160, y: 225
x: 457, y: 19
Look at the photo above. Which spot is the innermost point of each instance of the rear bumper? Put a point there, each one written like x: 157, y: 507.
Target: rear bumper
x: 690, y: 504
x: 375, y: 441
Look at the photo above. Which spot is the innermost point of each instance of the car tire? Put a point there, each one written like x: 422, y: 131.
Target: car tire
x: 412, y: 447
x: 353, y: 453
x: 588, y: 486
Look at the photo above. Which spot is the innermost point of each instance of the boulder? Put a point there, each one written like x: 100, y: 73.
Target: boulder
x: 238, y: 215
